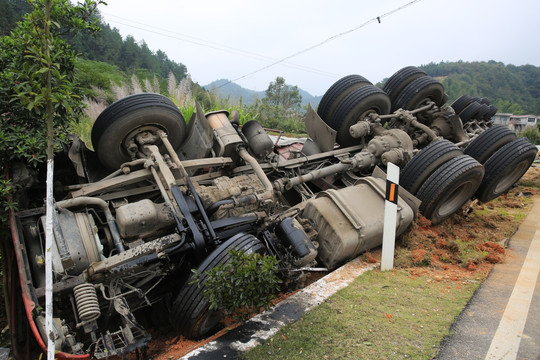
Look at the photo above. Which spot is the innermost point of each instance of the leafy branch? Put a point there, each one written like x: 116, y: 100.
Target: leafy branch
x: 242, y: 285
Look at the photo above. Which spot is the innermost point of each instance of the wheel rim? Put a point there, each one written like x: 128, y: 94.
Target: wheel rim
x: 210, y: 321
x: 365, y: 114
x: 424, y: 101
x: 456, y: 199
x: 511, y: 177
x: 147, y: 134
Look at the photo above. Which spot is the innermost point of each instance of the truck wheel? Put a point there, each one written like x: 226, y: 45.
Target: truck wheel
x: 492, y: 111
x: 470, y: 112
x: 449, y: 187
x: 505, y: 167
x: 333, y: 96
x: 400, y: 79
x: 485, y: 100
x: 481, y: 114
x: 191, y: 312
x: 417, y: 92
x: 461, y: 103
x: 125, y: 118
x: 423, y: 164
x: 488, y: 142
x: 354, y: 107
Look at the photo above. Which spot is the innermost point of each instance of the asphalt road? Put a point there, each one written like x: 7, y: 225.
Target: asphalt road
x: 502, y: 320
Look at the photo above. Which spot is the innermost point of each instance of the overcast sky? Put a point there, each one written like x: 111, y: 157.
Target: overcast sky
x: 229, y: 39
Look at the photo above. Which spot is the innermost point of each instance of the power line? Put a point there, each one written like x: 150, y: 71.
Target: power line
x: 213, y: 45
x: 377, y: 18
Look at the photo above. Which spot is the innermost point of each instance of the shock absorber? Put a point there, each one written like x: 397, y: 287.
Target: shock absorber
x: 87, y: 303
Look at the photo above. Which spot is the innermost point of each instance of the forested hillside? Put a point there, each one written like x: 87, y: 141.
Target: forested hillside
x: 514, y: 89
x: 107, y: 46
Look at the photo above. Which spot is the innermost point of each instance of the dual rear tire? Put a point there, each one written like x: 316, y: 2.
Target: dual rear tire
x: 443, y: 178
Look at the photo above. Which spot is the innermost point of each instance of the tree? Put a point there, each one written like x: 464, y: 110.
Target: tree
x: 281, y: 94
x: 10, y: 12
x: 37, y: 81
x: 512, y: 88
x: 507, y: 106
x: 129, y: 58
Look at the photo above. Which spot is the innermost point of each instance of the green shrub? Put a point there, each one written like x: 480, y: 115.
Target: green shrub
x: 243, y: 285
x: 531, y: 133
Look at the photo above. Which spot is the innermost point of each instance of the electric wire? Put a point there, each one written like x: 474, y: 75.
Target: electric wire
x: 283, y: 61
x: 212, y: 45
x: 377, y: 18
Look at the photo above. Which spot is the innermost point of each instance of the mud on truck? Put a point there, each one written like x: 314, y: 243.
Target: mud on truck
x: 158, y: 197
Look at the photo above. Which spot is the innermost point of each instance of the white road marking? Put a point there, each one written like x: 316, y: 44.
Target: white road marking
x: 505, y: 343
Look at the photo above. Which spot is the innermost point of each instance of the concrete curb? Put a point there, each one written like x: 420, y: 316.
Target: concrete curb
x: 263, y: 326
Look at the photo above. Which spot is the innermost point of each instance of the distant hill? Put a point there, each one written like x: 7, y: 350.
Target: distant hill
x: 236, y: 93
x: 513, y: 89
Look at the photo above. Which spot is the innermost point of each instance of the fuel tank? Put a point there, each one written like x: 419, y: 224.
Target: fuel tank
x: 350, y: 221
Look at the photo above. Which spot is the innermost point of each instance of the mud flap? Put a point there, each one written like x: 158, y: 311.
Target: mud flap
x: 200, y: 137
x: 322, y: 134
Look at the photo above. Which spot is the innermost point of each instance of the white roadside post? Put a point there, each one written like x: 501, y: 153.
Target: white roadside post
x: 390, y: 217
x: 48, y: 261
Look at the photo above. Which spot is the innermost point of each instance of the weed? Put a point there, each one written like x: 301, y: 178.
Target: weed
x: 83, y: 128
x: 519, y: 216
x: 469, y: 253
x: 402, y: 258
x: 530, y: 183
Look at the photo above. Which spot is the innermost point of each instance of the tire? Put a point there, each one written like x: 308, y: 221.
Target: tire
x: 423, y: 164
x: 417, y: 92
x: 400, y: 79
x: 341, y: 88
x: 190, y: 312
x: 469, y: 112
x: 505, y: 167
x: 488, y: 142
x: 485, y: 101
x: 481, y: 114
x: 131, y: 114
x: 492, y: 111
x: 354, y: 107
x: 449, y: 187
x: 461, y: 103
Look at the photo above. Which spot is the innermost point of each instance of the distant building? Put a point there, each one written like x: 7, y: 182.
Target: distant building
x: 516, y: 123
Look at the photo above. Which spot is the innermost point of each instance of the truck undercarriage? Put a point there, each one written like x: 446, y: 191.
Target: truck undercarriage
x: 157, y: 198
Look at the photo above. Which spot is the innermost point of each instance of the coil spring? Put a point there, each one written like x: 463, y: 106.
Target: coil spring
x: 87, y: 302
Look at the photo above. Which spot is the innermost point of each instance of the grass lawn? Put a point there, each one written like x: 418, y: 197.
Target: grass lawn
x: 381, y: 315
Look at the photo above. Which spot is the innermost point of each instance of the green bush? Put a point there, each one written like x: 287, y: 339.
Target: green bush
x: 531, y: 133
x: 243, y: 285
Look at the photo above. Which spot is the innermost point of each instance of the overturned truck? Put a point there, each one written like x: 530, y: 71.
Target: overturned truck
x: 157, y: 198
